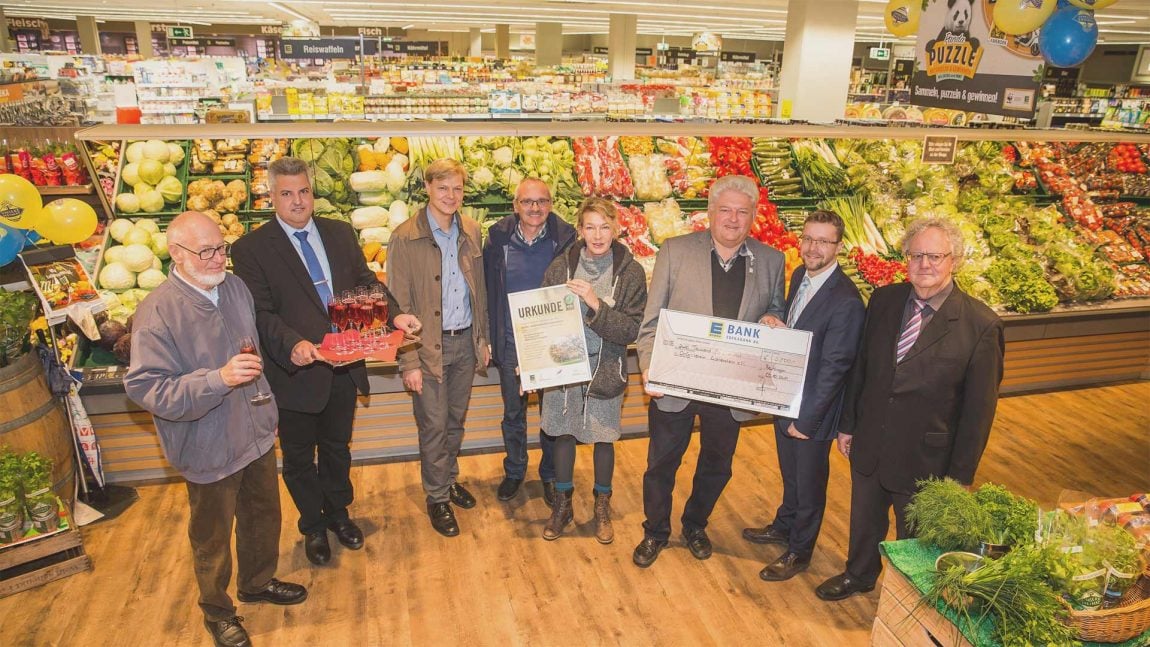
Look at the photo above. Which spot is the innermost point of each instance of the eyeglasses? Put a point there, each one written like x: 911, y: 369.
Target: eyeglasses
x: 209, y: 253
x: 818, y: 242
x: 541, y: 202
x: 926, y: 257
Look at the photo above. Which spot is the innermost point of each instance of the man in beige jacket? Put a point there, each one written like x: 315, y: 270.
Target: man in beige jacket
x: 435, y: 271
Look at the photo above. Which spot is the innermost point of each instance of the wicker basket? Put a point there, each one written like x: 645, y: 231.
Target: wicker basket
x: 1129, y: 619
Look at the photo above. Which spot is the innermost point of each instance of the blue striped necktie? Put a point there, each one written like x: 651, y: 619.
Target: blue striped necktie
x: 314, y: 269
x: 913, y: 328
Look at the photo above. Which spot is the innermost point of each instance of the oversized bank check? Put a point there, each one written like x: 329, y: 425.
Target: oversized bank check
x: 549, y: 337
x: 733, y: 363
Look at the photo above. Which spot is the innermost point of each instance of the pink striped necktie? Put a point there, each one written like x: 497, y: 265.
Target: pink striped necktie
x: 911, y: 331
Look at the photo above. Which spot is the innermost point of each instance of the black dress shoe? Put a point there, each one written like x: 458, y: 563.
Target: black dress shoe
x: 316, y: 548
x: 647, y: 551
x: 276, y: 592
x: 549, y: 493
x: 841, y: 587
x: 765, y: 535
x: 347, y: 533
x: 228, y: 633
x: 697, y: 542
x: 460, y: 496
x: 785, y: 567
x: 443, y: 519
x: 508, y: 488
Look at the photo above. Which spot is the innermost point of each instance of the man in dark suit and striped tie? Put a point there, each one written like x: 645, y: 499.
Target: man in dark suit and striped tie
x: 920, y: 398
x: 292, y: 265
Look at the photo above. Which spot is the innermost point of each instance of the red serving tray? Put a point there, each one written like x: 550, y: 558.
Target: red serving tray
x: 383, y: 351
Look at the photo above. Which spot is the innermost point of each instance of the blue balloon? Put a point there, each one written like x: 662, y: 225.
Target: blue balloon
x: 1068, y: 37
x: 11, y: 242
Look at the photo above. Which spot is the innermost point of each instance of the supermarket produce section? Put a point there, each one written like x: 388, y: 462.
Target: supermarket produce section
x: 1057, y: 226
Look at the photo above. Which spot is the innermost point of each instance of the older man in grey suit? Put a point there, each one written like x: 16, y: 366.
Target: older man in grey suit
x: 719, y: 273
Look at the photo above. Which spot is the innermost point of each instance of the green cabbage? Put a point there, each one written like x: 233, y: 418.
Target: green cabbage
x: 137, y: 258
x: 116, y: 276
x: 150, y: 279
x: 171, y: 189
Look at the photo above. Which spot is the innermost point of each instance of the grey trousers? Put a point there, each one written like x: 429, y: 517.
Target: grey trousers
x: 439, y: 414
x: 251, y: 498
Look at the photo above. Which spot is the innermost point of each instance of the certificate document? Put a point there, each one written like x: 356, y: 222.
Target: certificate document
x: 549, y: 337
x: 733, y: 363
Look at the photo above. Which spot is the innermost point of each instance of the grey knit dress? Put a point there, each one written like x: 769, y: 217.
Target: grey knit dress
x: 566, y: 409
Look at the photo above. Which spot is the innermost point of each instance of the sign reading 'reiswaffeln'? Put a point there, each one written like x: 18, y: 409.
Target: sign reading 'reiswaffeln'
x: 963, y: 62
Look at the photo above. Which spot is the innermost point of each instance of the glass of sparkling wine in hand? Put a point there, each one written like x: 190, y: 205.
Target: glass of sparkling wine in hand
x: 379, y: 310
x: 248, y: 346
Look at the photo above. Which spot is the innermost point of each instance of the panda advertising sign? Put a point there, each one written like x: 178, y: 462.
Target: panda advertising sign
x: 964, y: 62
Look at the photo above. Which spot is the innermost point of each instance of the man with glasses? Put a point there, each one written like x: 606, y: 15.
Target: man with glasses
x: 293, y: 265
x: 921, y: 396
x: 825, y: 302
x: 516, y: 254
x: 189, y: 371
x: 719, y: 273
x: 435, y: 268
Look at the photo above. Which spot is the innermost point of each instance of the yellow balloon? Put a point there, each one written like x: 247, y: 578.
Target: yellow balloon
x: 902, y: 16
x: 1017, y: 17
x: 20, y: 202
x: 67, y: 221
x: 1092, y: 5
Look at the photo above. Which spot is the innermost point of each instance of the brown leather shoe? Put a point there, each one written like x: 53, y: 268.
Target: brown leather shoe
x: 561, y: 516
x: 785, y: 567
x: 228, y: 632
x: 604, y: 532
x: 765, y: 535
x: 841, y: 587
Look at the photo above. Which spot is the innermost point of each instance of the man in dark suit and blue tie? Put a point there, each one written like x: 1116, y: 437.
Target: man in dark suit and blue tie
x: 292, y: 265
x: 825, y: 302
x: 921, y: 396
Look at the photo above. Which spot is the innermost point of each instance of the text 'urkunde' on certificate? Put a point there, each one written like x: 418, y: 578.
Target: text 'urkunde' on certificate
x: 549, y: 337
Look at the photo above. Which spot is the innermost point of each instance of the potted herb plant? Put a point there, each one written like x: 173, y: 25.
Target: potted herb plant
x: 17, y: 310
x: 39, y: 499
x: 11, y: 501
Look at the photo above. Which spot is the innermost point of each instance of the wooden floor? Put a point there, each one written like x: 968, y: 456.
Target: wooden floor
x: 499, y: 583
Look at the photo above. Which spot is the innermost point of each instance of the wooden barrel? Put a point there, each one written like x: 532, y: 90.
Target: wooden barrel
x: 31, y: 419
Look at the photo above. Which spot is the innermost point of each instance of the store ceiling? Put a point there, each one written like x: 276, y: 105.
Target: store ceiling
x: 1128, y: 21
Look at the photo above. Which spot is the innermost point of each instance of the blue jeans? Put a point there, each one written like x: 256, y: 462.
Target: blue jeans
x: 514, y: 427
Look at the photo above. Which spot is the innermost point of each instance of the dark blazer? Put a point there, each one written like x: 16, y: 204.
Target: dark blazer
x: 835, y: 315
x: 288, y: 308
x: 931, y: 414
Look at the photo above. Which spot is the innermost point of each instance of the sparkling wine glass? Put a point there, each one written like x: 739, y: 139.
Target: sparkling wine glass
x: 379, y: 309
x: 248, y: 346
x: 337, y: 312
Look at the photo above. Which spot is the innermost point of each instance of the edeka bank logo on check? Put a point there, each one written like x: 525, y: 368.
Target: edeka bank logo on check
x: 733, y: 332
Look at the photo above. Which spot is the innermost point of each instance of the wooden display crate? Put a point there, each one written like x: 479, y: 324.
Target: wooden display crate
x: 41, y: 560
x: 902, y: 622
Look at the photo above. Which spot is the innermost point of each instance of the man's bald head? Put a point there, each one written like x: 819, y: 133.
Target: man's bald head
x: 190, y: 235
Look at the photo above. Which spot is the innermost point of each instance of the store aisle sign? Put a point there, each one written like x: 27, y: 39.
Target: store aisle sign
x: 203, y: 42
x: 738, y: 57
x: 939, y: 149
x: 964, y: 63
x: 325, y: 48
x: 29, y: 23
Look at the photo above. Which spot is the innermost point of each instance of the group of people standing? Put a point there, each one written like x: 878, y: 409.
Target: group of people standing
x: 908, y: 387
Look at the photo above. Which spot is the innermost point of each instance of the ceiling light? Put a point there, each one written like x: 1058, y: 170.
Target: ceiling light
x: 279, y: 7
x: 407, y: 26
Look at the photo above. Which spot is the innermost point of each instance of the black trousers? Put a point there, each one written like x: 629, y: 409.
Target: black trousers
x: 670, y: 436
x: 870, y: 520
x: 804, y: 466
x: 317, y: 457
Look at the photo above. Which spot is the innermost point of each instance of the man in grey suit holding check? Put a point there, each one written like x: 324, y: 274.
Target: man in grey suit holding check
x: 720, y: 273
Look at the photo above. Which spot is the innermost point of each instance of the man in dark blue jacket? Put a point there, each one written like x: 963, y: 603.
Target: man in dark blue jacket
x: 825, y: 302
x: 517, y: 252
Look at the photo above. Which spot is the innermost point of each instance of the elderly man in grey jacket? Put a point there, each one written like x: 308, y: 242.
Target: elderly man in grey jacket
x: 188, y: 371
x: 719, y: 273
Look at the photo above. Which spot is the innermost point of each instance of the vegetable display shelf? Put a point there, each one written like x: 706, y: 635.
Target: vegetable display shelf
x: 1072, y: 345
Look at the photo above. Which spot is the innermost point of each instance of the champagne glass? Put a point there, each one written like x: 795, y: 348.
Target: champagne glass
x: 379, y: 308
x: 248, y: 346
x: 337, y: 312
